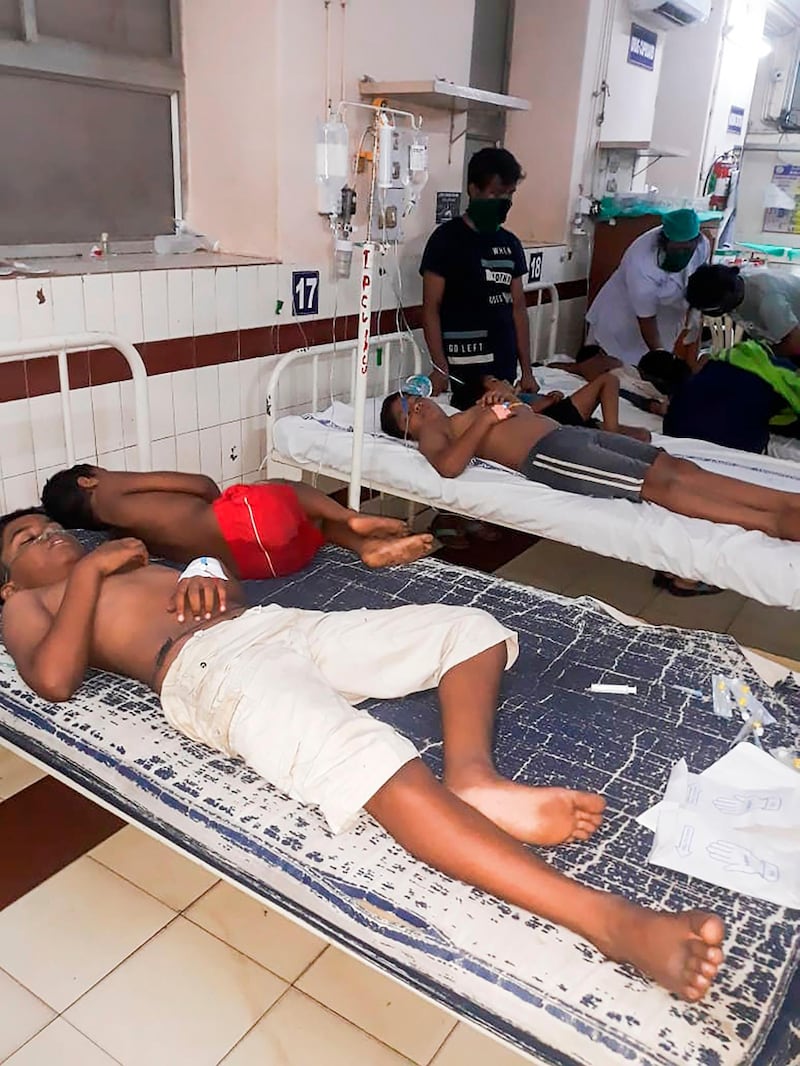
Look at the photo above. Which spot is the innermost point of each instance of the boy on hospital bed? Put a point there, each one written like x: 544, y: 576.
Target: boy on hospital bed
x: 258, y: 531
x: 280, y: 688
x: 586, y: 462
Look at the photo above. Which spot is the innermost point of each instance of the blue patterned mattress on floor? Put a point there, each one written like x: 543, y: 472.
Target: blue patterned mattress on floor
x: 537, y: 986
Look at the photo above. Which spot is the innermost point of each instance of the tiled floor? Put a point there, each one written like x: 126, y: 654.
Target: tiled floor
x: 135, y: 956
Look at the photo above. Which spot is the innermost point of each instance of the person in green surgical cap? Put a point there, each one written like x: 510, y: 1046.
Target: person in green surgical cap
x: 642, y: 307
x: 473, y: 307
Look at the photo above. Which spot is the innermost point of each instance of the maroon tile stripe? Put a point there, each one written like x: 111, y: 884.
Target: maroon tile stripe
x: 44, y: 828
x: 39, y: 377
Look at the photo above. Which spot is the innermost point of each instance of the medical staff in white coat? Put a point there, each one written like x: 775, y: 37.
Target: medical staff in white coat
x: 642, y: 307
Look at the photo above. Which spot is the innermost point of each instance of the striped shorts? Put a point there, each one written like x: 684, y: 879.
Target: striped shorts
x: 591, y: 462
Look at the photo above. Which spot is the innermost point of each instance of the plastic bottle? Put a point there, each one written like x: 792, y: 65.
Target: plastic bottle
x: 342, y: 257
x: 332, y: 162
x: 418, y: 161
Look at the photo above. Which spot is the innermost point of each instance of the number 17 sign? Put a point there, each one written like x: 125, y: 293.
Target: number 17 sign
x: 305, y: 292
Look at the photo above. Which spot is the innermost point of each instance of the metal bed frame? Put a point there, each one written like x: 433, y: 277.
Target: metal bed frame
x: 379, y: 382
x: 40, y: 348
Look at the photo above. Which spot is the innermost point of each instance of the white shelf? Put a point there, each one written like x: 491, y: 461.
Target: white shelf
x: 439, y: 93
x: 644, y: 149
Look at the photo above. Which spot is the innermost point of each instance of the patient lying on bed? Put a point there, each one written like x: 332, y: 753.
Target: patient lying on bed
x: 279, y: 688
x: 588, y: 462
x: 574, y: 410
x: 258, y: 531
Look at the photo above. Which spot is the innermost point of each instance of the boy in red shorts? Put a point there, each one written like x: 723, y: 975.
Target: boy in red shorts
x: 257, y: 531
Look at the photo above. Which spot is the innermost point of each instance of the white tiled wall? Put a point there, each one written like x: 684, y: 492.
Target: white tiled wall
x: 210, y: 419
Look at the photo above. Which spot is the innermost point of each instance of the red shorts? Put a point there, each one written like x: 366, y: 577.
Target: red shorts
x: 266, y: 530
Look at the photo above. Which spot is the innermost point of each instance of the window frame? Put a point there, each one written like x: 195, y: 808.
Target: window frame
x: 36, y: 55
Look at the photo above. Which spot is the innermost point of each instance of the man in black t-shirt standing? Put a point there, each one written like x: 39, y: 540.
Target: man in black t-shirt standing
x: 473, y: 307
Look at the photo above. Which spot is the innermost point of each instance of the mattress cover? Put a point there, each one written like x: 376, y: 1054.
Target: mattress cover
x: 748, y: 562
x: 534, y: 984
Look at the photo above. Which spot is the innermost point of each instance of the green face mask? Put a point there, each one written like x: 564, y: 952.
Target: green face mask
x: 675, y: 262
x: 488, y: 215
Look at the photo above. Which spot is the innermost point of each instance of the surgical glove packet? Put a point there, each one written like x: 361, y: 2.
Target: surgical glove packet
x: 746, y: 839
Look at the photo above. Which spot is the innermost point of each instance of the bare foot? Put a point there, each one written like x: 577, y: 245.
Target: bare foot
x: 682, y: 952
x: 543, y: 816
x: 376, y: 552
x: 367, y: 525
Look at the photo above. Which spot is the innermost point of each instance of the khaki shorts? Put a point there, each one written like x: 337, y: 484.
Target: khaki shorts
x: 279, y: 687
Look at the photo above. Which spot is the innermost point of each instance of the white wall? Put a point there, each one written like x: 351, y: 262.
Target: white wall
x: 773, y: 83
x: 630, y: 108
x: 736, y: 78
x: 690, y: 65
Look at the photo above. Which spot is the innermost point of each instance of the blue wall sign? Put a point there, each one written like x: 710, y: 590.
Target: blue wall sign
x: 642, y: 47
x: 736, y: 120
x: 305, y: 292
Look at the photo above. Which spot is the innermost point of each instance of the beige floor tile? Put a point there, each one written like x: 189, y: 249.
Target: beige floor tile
x: 547, y: 565
x: 395, y: 1015
x: 62, y: 937
x: 16, y: 773
x: 771, y: 629
x: 185, y: 997
x: 300, y: 1032
x: 467, y: 1047
x: 154, y: 867
x: 60, y: 1045
x: 712, y: 613
x: 627, y: 587
x: 264, y: 935
x: 22, y: 1015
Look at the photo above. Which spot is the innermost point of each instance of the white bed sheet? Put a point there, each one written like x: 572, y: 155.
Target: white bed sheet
x: 751, y: 563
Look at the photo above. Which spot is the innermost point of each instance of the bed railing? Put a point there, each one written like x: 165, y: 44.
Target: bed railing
x: 40, y: 347
x: 724, y: 332
x: 286, y: 376
x: 541, y: 287
x: 310, y: 379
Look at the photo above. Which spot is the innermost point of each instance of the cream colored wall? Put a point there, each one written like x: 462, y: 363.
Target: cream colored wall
x: 547, y: 62
x: 231, y: 122
x: 255, y: 73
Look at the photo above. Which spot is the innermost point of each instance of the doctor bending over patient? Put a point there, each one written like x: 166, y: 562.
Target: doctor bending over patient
x: 279, y: 687
x: 642, y: 307
x: 588, y: 462
x: 265, y: 530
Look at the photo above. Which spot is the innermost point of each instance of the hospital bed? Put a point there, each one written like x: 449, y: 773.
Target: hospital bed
x: 526, y: 981
x: 530, y: 983
x: 310, y: 421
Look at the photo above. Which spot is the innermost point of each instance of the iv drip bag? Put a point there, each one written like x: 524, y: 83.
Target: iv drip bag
x: 332, y: 163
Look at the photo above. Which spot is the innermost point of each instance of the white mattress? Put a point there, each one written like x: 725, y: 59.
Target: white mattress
x: 751, y: 563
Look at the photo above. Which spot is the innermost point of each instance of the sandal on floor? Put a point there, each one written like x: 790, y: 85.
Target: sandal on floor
x: 669, y: 583
x: 450, y: 532
x: 481, y: 531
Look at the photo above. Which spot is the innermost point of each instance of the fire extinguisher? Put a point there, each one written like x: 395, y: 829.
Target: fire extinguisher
x: 718, y: 182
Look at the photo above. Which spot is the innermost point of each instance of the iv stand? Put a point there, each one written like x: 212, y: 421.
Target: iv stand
x: 364, y: 328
